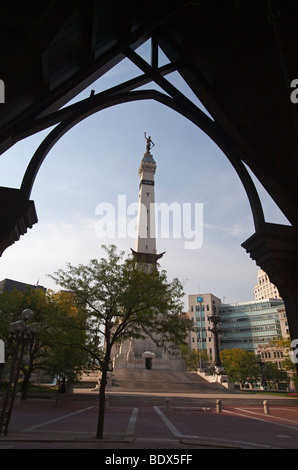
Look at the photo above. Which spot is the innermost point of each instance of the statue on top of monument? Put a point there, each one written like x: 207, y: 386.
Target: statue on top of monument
x: 149, y: 144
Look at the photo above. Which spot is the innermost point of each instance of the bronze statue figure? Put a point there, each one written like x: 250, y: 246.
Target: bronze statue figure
x: 149, y: 144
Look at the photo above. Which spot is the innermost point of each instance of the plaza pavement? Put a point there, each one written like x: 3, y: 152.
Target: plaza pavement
x: 178, y: 412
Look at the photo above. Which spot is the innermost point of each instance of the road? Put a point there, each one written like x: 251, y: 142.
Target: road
x: 138, y: 417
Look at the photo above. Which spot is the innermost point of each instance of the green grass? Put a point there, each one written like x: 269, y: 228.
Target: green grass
x: 270, y: 392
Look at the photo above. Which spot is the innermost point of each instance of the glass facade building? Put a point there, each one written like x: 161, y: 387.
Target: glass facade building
x: 242, y: 325
x: 245, y: 325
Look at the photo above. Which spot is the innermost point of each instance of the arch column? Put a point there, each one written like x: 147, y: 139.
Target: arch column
x: 275, y: 249
x: 17, y: 214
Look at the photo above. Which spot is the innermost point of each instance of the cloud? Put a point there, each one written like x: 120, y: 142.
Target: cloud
x: 234, y: 230
x: 48, y: 247
x: 223, y: 269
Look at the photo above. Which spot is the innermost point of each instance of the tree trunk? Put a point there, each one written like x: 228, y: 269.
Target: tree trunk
x: 1, y: 370
x: 27, y: 374
x: 26, y: 381
x: 102, y: 396
x: 25, y: 385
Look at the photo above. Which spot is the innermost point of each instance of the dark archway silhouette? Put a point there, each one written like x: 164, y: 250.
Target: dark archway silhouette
x: 97, y: 103
x: 266, y: 235
x: 237, y: 57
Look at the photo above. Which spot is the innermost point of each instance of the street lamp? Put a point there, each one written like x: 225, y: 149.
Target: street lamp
x: 2, y: 357
x: 261, y: 365
x: 215, y: 320
x: 19, y: 332
x: 200, y: 340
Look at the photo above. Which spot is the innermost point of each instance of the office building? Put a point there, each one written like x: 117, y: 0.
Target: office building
x: 264, y: 289
x: 9, y: 285
x: 201, y: 306
x: 245, y: 325
x: 242, y: 325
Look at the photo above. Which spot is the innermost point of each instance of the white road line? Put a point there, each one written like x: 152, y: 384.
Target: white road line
x: 259, y: 419
x: 271, y: 416
x: 290, y: 409
x: 167, y: 422
x: 57, y: 419
x: 132, y: 422
x: 219, y: 440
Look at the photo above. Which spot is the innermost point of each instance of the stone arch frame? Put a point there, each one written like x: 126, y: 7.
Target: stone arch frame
x: 95, y: 104
x: 273, y: 247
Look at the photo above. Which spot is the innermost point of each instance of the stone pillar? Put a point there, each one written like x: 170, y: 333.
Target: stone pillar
x: 131, y: 351
x: 17, y: 214
x: 275, y: 249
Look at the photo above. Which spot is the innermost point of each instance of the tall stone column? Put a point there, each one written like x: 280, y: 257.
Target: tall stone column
x: 275, y: 249
x: 145, y: 246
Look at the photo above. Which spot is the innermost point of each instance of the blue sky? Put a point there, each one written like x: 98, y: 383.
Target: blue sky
x: 99, y: 159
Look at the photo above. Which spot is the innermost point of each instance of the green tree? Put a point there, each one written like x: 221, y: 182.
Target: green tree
x: 53, y: 313
x: 287, y: 364
x: 193, y: 358
x: 240, y: 365
x: 121, y: 302
x: 66, y: 336
x: 11, y: 305
x: 273, y: 375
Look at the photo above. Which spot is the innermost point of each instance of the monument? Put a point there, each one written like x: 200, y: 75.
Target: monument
x: 144, y: 353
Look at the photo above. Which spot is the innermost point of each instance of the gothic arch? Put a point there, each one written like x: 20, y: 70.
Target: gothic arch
x: 273, y: 247
x: 95, y: 104
x: 257, y: 122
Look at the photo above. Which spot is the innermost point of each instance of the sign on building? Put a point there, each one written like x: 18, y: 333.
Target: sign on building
x: 2, y: 92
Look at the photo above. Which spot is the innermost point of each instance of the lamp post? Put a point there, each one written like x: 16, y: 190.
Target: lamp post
x: 200, y: 359
x: 261, y: 365
x: 19, y: 332
x: 215, y: 320
x: 2, y: 357
x: 199, y: 300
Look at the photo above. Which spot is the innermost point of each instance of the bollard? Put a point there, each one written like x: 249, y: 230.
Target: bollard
x: 167, y: 401
x: 266, y: 407
x: 107, y: 402
x: 218, y: 406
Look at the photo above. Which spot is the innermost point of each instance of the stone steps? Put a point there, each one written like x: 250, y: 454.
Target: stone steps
x: 129, y: 380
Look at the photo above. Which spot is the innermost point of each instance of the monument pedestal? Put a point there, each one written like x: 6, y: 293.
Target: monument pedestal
x: 145, y: 354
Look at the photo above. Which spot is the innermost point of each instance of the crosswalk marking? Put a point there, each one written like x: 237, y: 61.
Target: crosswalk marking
x: 167, y: 422
x: 132, y: 422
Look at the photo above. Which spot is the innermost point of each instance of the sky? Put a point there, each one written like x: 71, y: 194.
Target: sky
x: 97, y: 162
